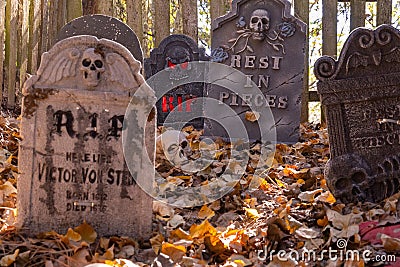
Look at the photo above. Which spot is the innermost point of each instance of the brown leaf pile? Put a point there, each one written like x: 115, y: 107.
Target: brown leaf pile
x: 285, y: 207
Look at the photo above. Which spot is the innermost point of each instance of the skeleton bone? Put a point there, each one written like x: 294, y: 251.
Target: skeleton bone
x: 174, y: 145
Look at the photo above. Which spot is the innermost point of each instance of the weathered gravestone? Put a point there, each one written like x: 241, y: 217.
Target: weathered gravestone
x: 179, y: 105
x: 103, y: 26
x: 265, y: 42
x: 361, y: 94
x: 71, y: 158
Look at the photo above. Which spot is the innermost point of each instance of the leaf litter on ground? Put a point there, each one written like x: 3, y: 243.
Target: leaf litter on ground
x: 282, y: 206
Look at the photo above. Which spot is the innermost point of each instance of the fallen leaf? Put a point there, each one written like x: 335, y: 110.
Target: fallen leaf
x: 87, y: 232
x: 205, y: 213
x: 175, y: 252
x: 252, y: 116
x: 9, y: 259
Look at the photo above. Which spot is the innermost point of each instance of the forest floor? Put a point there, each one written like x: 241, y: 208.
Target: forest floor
x: 282, y: 216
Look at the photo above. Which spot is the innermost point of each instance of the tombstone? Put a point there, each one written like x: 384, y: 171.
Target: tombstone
x: 71, y: 158
x: 103, y: 26
x: 361, y: 94
x: 265, y: 42
x: 179, y: 105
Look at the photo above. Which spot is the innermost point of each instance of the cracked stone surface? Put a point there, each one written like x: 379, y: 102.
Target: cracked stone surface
x: 71, y: 158
x: 361, y: 94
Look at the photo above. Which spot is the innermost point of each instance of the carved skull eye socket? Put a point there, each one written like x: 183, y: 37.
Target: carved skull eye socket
x: 342, y: 184
x: 264, y: 21
x: 184, y: 144
x: 358, y: 177
x: 254, y: 20
x: 170, y: 64
x: 98, y: 64
x: 184, y: 65
x: 86, y: 62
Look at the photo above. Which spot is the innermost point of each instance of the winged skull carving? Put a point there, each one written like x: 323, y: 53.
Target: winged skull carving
x: 63, y: 66
x: 120, y: 71
x: 89, y: 66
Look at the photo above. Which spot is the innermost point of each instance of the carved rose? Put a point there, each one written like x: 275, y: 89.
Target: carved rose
x: 219, y: 55
x: 286, y: 29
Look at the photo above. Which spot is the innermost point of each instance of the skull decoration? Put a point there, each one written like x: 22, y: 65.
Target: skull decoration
x: 92, y: 67
x: 349, y: 178
x: 177, y: 63
x: 259, y: 24
x: 174, y: 146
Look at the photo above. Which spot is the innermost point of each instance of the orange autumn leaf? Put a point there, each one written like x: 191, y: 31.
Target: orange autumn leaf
x: 156, y: 242
x: 199, y: 231
x: 252, y: 213
x: 205, y: 212
x: 175, y: 252
x: 323, y: 222
x: 9, y: 259
x: 180, y: 234
x: 87, y: 232
x: 252, y: 116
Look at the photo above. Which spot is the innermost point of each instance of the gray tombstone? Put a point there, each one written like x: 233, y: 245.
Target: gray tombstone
x: 265, y: 42
x: 103, y: 26
x: 181, y: 104
x: 71, y: 157
x: 361, y: 95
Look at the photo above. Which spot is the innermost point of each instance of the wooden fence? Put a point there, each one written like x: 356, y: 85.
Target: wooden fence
x: 29, y: 27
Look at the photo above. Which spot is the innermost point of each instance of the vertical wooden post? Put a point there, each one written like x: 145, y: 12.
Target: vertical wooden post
x: 2, y: 28
x: 161, y: 20
x: 134, y: 17
x: 329, y: 27
x: 357, y: 15
x: 105, y: 7
x: 13, y: 46
x: 190, y: 18
x: 34, y: 29
x: 217, y: 8
x: 53, y: 7
x: 301, y: 10
x: 45, y: 27
x: 74, y: 9
x: 384, y: 12
x: 24, y: 42
x: 62, y: 14
x: 329, y: 33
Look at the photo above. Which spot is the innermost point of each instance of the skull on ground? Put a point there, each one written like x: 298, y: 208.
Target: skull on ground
x: 174, y: 145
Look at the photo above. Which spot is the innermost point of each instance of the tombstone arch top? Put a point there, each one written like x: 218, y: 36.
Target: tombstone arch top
x: 103, y: 26
x: 88, y: 63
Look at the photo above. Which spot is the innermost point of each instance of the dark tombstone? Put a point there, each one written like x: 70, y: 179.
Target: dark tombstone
x: 361, y: 95
x: 72, y: 164
x: 265, y: 42
x: 179, y: 105
x: 103, y: 26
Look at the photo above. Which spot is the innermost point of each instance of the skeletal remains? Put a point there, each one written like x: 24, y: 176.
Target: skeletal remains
x: 174, y: 145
